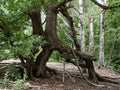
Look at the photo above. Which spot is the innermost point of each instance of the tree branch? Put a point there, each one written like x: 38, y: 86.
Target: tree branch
x: 100, y: 5
x: 35, y: 17
x: 71, y: 26
x: 104, y: 6
x: 62, y: 3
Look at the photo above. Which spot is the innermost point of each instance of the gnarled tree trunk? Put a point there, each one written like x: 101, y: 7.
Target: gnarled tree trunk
x: 51, y: 39
x: 54, y: 43
x: 40, y: 64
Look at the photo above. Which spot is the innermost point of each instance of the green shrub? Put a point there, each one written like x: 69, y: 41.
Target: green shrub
x: 5, y: 82
x: 116, y: 64
x: 20, y: 84
x: 13, y: 72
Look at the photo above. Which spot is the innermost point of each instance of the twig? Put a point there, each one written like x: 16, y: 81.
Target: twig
x: 63, y: 71
x: 73, y: 80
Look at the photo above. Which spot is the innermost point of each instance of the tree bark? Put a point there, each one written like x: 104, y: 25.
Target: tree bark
x: 51, y: 38
x: 101, y: 62
x: 91, y: 71
x: 51, y: 23
x: 91, y: 35
x: 82, y: 32
x: 40, y: 64
x: 36, y: 22
x: 101, y: 53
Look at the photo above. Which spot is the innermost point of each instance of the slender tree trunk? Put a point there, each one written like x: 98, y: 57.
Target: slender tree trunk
x: 91, y: 35
x: 101, y: 53
x: 90, y: 65
x: 101, y: 61
x: 82, y: 33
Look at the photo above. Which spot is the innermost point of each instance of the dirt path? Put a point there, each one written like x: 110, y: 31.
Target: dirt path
x: 56, y: 82
x: 71, y: 68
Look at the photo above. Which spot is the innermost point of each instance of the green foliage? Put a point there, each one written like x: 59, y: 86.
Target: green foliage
x: 23, y: 44
x: 4, y: 47
x: 116, y: 63
x: 5, y: 82
x: 55, y: 57
x: 21, y: 85
x: 114, y: 2
x: 13, y: 73
x: 112, y: 33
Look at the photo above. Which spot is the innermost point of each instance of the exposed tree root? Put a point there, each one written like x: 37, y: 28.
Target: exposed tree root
x: 100, y: 78
x: 117, y: 71
x: 52, y: 71
x: 107, y: 79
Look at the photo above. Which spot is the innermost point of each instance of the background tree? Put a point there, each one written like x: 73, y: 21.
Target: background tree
x: 101, y: 53
x: 91, y: 35
x: 82, y: 32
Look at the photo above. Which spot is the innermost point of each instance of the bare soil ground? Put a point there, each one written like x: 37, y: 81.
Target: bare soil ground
x: 56, y: 82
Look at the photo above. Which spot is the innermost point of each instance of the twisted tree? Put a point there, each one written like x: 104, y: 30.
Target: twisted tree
x: 37, y: 67
x: 54, y: 43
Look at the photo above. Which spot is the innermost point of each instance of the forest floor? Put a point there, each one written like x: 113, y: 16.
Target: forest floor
x: 75, y: 82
